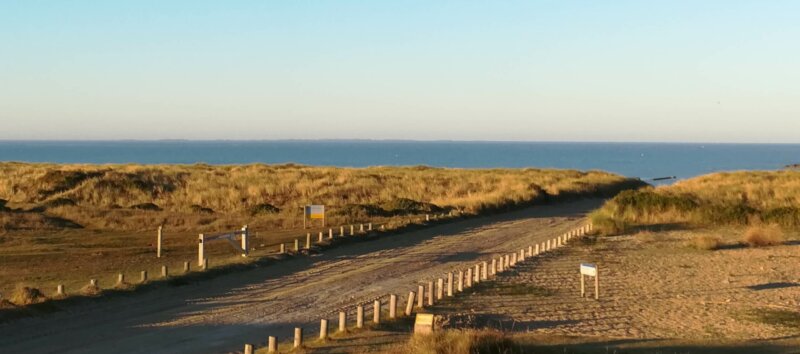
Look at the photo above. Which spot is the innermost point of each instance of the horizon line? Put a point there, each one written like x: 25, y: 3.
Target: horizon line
x: 389, y: 140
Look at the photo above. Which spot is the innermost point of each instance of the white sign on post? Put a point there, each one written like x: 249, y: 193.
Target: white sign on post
x: 588, y: 269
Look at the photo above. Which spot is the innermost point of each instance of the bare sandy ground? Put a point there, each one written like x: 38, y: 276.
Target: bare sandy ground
x: 221, y: 314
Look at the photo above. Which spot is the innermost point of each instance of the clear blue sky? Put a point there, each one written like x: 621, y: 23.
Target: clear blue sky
x: 709, y: 71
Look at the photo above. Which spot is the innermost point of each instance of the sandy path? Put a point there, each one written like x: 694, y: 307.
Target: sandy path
x: 221, y: 314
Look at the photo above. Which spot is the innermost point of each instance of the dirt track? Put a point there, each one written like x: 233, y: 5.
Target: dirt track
x: 220, y: 315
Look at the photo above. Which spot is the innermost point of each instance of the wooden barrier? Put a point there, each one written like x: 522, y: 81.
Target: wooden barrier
x: 392, y: 306
x: 360, y: 316
x: 60, y: 290
x: 410, y: 303
x: 120, y: 279
x: 536, y: 249
x: 530, y: 251
x: 449, y: 284
x: 500, y: 264
x: 342, y: 321
x: 298, y: 337
x: 323, y: 329
x: 513, y: 261
x: 476, y: 276
x: 341, y: 231
x: 493, y: 269
x: 376, y: 312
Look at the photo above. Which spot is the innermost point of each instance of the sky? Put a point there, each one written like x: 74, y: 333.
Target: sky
x: 665, y: 71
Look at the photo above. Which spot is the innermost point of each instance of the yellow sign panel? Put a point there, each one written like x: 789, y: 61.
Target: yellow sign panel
x: 424, y: 319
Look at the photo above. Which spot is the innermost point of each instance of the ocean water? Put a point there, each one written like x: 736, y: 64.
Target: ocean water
x: 643, y: 160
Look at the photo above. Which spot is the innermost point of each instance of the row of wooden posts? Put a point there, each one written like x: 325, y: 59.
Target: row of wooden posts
x: 431, y: 291
x: 203, y: 262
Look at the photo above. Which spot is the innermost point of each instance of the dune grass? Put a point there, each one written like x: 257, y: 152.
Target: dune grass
x: 125, y: 197
x: 735, y: 198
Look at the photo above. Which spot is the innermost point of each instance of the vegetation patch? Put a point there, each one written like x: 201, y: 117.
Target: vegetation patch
x: 199, y: 209
x: 776, y: 317
x: 146, y: 206
x: 761, y: 236
x: 460, y: 341
x: 705, y: 243
x: 264, y: 209
x: 405, y: 206
x: 24, y: 295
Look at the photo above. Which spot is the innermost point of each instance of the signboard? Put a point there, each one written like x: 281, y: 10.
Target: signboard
x: 315, y: 211
x: 588, y: 269
x: 423, y: 324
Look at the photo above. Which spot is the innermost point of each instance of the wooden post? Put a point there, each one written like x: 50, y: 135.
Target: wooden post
x: 369, y: 227
x: 439, y: 289
x: 410, y: 303
x: 283, y: 248
x: 308, y: 241
x: 205, y: 264
x: 460, y: 280
x: 298, y: 337
x: 296, y: 245
x: 320, y: 237
x: 506, y: 262
x: 430, y: 293
x: 245, y: 243
x: 376, y: 312
x: 543, y: 249
x: 92, y: 282
x: 200, y: 250
x: 468, y: 278
x: 120, y: 279
x: 449, y: 284
x: 330, y: 233
x: 341, y: 231
x: 342, y: 321
x: 548, y: 246
x: 272, y: 345
x: 158, y: 242
x: 186, y: 267
x: 477, y: 276
x: 500, y: 267
x: 513, y: 261
x: 248, y: 349
x: 323, y: 329
x: 144, y: 276
x: 493, y: 269
x: 597, y: 284
x: 485, y: 270
x: 427, y: 217
x: 352, y: 230
x: 392, y: 306
x: 360, y: 316
x: 361, y: 228
x: 536, y: 249
x: 530, y: 251
x: 164, y: 271
x: 583, y: 289
x: 60, y: 290
x: 521, y: 257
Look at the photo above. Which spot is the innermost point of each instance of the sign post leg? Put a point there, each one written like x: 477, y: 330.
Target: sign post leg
x: 583, y: 291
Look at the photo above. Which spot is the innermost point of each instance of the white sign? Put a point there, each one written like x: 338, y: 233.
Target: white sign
x: 588, y: 269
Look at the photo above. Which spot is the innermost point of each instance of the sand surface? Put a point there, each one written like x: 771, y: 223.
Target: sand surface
x: 222, y: 314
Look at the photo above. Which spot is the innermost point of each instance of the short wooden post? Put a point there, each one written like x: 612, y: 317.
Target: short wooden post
x: 296, y: 245
x: 120, y: 279
x: 427, y: 217
x: 360, y: 316
x: 513, y: 261
x: 205, y: 264
x: 92, y: 282
x: 144, y: 276
x: 308, y: 241
x: 361, y: 228
x: 200, y: 250
x: 476, y: 277
x: 352, y: 230
x: 484, y: 270
x: 506, y: 262
x: 342, y: 321
x: 272, y: 345
x: 420, y: 296
x: 248, y: 349
x: 468, y: 279
x: 597, y: 284
x: 158, y: 241
x: 186, y: 267
x: 320, y: 237
x: 341, y: 231
x: 543, y: 249
x: 460, y: 281
x: 282, y: 248
x: 60, y: 290
x: 530, y: 251
x: 410, y: 303
x: 493, y: 269
x: 369, y: 227
x: 245, y: 242
x: 449, y: 284
x: 376, y: 312
x: 521, y: 257
x: 439, y: 289
x: 548, y: 246
x: 500, y: 265
x: 430, y: 293
x: 583, y: 288
x: 164, y: 271
x: 323, y: 329
x: 298, y: 337
x: 392, y: 306
x: 536, y: 249
x: 330, y: 233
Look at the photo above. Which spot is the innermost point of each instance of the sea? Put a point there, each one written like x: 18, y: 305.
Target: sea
x: 647, y: 161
